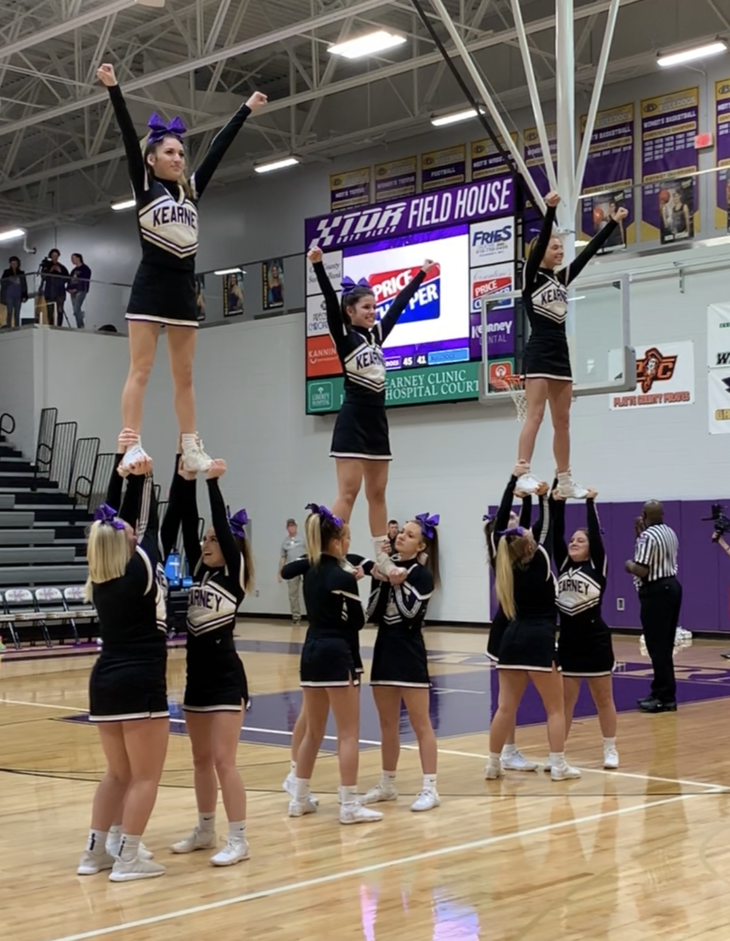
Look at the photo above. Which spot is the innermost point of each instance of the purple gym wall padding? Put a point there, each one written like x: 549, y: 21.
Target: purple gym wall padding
x: 704, y: 569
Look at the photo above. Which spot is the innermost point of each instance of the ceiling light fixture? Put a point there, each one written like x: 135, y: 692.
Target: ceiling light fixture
x: 443, y: 120
x: 279, y: 164
x: 11, y: 235
x: 369, y: 44
x: 123, y: 204
x: 692, y: 53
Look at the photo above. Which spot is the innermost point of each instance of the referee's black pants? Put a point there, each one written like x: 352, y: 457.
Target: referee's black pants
x: 660, y: 602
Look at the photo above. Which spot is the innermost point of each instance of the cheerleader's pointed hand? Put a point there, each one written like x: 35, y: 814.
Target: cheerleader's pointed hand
x: 217, y: 469
x: 105, y: 74
x: 398, y: 577
x: 542, y: 489
x: 315, y: 254
x: 358, y: 572
x: 428, y: 265
x: 126, y: 439
x: 591, y: 494
x: 552, y: 200
x: 620, y: 214
x: 185, y: 474
x: 556, y: 495
x: 257, y: 101
x: 142, y: 468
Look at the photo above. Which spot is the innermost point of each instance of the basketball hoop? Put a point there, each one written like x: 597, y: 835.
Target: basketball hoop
x: 515, y: 385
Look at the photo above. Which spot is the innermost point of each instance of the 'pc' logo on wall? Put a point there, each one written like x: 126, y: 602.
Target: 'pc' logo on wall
x: 425, y: 305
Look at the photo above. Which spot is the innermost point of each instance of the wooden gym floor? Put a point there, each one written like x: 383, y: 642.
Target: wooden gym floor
x: 643, y: 853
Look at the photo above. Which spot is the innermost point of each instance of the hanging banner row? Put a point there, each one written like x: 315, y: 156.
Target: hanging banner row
x: 666, y: 165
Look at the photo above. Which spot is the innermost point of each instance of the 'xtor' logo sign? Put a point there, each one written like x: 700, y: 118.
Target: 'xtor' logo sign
x: 654, y: 367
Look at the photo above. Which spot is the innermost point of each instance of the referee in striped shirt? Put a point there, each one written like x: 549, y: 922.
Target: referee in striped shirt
x: 654, y: 568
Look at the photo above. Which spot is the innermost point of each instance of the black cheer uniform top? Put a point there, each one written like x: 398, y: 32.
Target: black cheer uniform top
x: 131, y: 609
x: 359, y: 348
x: 545, y: 298
x: 580, y: 584
x: 401, y: 607
x: 534, y: 584
x: 167, y: 217
x: 333, y: 603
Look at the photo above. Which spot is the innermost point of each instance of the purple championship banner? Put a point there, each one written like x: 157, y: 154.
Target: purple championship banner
x: 350, y: 189
x: 486, y: 199
x: 486, y: 160
x: 669, y: 125
x: 445, y: 167
x: 609, y: 174
x: 722, y: 131
x: 396, y: 179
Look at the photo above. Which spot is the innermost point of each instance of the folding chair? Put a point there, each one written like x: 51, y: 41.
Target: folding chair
x: 51, y: 605
x: 20, y: 604
x: 7, y: 620
x: 78, y: 608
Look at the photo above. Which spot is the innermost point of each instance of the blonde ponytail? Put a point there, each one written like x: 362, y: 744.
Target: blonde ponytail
x: 107, y: 553
x: 313, y: 533
x: 505, y: 579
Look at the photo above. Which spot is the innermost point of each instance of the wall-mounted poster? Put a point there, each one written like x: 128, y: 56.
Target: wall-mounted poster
x: 349, y: 189
x: 665, y: 375
x: 445, y: 167
x: 670, y: 202
x: 486, y: 160
x: 609, y: 175
x: 233, y: 294
x: 200, y: 295
x: 396, y: 179
x: 722, y: 132
x: 272, y: 273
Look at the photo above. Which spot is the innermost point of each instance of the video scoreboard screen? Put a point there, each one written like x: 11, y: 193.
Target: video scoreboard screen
x: 433, y: 354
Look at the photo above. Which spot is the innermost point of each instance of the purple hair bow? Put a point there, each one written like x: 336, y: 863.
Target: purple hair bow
x: 514, y: 531
x: 487, y: 518
x: 107, y: 514
x: 325, y: 513
x: 348, y: 285
x: 428, y: 524
x: 159, y: 130
x: 238, y: 523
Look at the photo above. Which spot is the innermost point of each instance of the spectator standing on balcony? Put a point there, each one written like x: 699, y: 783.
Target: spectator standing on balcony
x: 54, y: 281
x: 78, y: 287
x: 13, y: 291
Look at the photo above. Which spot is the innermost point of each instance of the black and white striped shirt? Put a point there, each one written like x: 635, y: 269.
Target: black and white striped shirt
x: 656, y: 549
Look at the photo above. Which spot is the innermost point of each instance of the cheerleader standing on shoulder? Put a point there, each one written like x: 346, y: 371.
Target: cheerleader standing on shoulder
x: 216, y: 689
x: 511, y: 758
x: 361, y: 442
x: 330, y: 664
x: 526, y: 591
x: 163, y: 292
x: 546, y: 364
x: 127, y: 687
x: 584, y: 647
x: 398, y: 605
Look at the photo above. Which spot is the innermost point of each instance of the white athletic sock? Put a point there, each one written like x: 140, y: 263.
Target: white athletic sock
x: 494, y: 758
x: 387, y: 778
x: 609, y: 742
x: 237, y: 830
x: 429, y: 782
x: 556, y: 759
x: 293, y: 769
x: 563, y: 475
x: 115, y: 832
x: 206, y: 822
x: 301, y: 789
x: 509, y: 750
x: 128, y: 847
x: 348, y: 794
x: 189, y: 442
x: 97, y: 842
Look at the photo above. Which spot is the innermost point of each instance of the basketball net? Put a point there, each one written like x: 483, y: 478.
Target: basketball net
x: 515, y: 385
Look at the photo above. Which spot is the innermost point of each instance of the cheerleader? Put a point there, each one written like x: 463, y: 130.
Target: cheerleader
x: 398, y: 605
x: 546, y: 364
x: 216, y: 690
x: 526, y: 591
x: 298, y: 569
x: 360, y: 442
x: 330, y: 666
x: 163, y: 293
x: 584, y: 646
x: 127, y: 688
x: 512, y: 759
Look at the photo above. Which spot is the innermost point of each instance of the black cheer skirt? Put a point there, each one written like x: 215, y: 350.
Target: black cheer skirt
x: 529, y: 644
x: 399, y: 659
x: 587, y: 650
x: 121, y: 690
x: 328, y: 661
x: 163, y: 296
x: 216, y: 684
x: 547, y: 357
x: 499, y: 625
x: 361, y: 432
